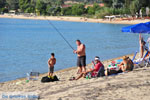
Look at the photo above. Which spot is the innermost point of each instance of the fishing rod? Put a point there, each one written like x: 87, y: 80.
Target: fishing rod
x: 60, y: 34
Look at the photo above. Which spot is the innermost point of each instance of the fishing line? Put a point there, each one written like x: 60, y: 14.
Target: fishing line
x: 60, y: 34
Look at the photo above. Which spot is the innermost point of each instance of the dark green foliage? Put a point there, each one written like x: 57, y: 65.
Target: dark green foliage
x: 54, y: 7
x: 12, y: 4
x: 2, y: 3
x: 66, y: 11
x: 4, y: 10
x: 41, y: 7
x: 78, y: 9
x: 94, y: 9
x: 27, y: 6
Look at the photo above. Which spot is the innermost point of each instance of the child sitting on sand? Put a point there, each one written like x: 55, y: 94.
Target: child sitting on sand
x: 51, y: 63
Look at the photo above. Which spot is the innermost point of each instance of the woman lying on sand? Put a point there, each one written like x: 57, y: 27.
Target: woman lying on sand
x: 97, y: 71
x: 125, y: 65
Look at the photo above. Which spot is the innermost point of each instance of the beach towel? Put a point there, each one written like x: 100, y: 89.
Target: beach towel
x: 113, y: 67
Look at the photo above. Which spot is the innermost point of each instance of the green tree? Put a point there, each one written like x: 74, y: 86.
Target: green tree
x: 3, y: 7
x: 117, y: 4
x: 24, y: 4
x: 66, y: 11
x: 57, y: 11
x: 2, y: 3
x: 12, y: 4
x: 49, y: 9
x: 27, y: 6
x: 134, y: 6
x: 96, y: 6
x: 78, y: 9
x: 103, y: 12
x: 144, y: 3
x: 127, y: 3
x: 108, y: 3
x: 59, y: 3
x: 90, y: 10
x: 41, y: 7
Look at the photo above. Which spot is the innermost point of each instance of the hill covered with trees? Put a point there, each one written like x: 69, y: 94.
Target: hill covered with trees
x: 89, y: 8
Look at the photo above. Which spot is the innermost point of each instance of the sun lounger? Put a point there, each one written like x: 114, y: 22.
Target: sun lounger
x: 142, y: 62
x: 134, y: 56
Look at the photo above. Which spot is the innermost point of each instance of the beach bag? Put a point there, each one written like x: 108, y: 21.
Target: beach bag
x: 55, y: 78
x: 47, y: 79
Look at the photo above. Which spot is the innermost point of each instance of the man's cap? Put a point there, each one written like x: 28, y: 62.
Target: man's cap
x: 97, y: 58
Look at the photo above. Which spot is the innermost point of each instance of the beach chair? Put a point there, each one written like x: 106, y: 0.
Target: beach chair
x: 143, y: 62
x: 147, y: 59
x: 99, y: 73
x: 134, y: 56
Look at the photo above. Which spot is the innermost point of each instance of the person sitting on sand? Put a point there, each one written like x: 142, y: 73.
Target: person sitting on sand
x: 51, y: 63
x: 98, y: 67
x: 126, y: 64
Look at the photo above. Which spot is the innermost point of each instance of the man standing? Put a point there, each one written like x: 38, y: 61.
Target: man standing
x: 81, y: 61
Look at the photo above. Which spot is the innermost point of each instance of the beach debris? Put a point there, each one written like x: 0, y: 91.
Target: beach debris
x: 33, y: 76
x: 27, y: 81
x: 17, y: 83
x: 72, y: 78
x: 88, y: 76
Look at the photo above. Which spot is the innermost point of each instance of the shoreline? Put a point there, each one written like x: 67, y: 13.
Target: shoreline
x: 135, y: 83
x: 76, y: 19
x: 67, y: 69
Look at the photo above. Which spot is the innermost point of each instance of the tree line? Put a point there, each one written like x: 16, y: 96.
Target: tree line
x: 54, y: 7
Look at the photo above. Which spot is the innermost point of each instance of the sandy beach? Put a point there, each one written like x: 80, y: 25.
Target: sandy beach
x: 77, y: 19
x: 133, y: 85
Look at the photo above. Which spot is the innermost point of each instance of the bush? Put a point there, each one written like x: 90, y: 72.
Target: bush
x: 57, y: 11
x: 90, y: 10
x: 29, y: 10
x: 104, y: 12
x: 4, y: 10
x: 66, y: 11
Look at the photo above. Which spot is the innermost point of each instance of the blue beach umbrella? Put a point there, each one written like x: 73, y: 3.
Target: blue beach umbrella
x: 140, y: 28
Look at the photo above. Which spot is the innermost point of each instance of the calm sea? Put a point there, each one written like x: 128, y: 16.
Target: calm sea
x: 26, y: 45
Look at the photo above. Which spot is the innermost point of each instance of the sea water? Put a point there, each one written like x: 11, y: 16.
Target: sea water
x: 26, y: 45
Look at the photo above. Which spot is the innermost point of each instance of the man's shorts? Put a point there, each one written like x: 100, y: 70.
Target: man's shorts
x: 81, y: 61
x: 51, y: 69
